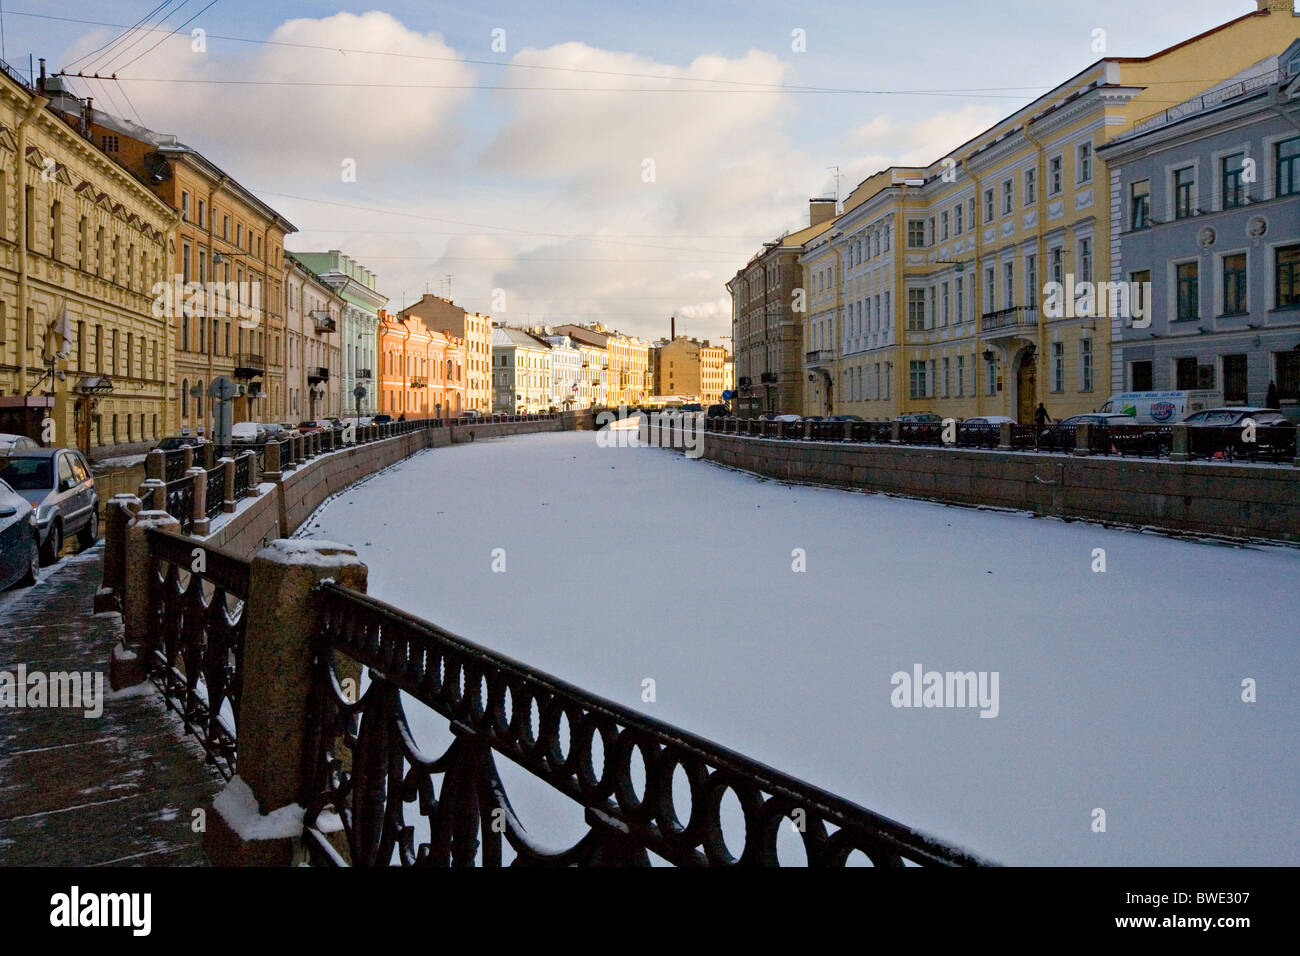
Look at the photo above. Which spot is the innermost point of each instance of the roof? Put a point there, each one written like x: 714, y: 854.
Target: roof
x: 503, y: 337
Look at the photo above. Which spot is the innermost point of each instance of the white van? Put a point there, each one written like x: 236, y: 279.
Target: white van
x: 1161, y: 408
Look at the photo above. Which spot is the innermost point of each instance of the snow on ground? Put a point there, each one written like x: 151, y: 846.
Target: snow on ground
x: 1118, y: 690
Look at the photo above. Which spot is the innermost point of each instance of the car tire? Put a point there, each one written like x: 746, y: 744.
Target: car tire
x: 33, y: 565
x: 88, y: 535
x: 53, y: 544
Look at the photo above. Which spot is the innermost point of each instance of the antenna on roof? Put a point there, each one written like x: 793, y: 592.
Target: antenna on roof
x: 838, y: 177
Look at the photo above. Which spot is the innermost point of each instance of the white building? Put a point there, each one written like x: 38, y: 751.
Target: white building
x: 521, y: 372
x: 566, y: 372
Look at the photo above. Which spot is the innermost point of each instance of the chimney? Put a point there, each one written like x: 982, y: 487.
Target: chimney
x: 820, y: 210
x: 88, y: 117
x: 672, y: 328
x: 40, y: 82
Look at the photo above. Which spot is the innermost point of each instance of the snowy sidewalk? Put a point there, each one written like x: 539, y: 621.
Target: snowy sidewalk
x: 115, y: 789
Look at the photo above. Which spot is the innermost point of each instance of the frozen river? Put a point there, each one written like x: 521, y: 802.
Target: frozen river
x: 1118, y: 691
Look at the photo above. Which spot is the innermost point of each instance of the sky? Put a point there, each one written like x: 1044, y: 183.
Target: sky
x: 573, y: 161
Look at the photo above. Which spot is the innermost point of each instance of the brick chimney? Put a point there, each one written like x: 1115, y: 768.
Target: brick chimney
x: 820, y: 210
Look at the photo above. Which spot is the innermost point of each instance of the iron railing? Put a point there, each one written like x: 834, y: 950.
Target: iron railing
x: 215, y: 491
x: 196, y: 639
x: 242, y: 475
x: 364, y: 768
x: 174, y: 464
x: 1233, y: 442
x: 179, y: 499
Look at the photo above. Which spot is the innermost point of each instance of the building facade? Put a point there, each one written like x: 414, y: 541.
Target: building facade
x: 966, y: 287
x: 593, y: 366
x: 521, y: 372
x: 1209, y: 201
x: 313, y: 316
x: 691, y: 369
x: 768, y: 303
x: 475, y: 331
x: 359, y: 329
x: 566, y: 372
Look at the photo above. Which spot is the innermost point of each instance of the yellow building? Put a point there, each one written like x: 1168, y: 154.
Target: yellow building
x: 231, y: 246
x: 81, y: 237
x: 932, y: 291
x: 691, y: 369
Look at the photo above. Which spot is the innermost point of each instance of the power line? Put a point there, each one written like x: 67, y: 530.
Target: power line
x: 177, y: 30
x: 105, y: 63
x: 127, y: 30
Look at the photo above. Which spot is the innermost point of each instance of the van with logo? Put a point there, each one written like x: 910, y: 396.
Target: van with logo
x: 1160, y: 408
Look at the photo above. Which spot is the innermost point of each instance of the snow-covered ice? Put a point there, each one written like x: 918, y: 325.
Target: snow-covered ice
x: 1119, y: 690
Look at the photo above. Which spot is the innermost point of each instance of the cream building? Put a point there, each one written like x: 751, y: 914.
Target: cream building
x: 521, y: 372
x: 313, y: 357
x: 80, y: 236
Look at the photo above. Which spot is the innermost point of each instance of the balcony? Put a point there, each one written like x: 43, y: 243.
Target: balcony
x: 324, y: 322
x: 249, y: 365
x: 1007, y: 323
x: 419, y: 381
x: 317, y: 375
x: 818, y: 358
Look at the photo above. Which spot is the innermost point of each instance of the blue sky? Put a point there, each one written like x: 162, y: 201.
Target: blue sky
x: 537, y: 199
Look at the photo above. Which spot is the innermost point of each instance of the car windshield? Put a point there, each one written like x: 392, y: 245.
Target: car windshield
x: 27, y: 474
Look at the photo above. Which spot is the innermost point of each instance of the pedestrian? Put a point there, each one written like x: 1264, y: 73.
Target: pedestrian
x: 1041, y: 417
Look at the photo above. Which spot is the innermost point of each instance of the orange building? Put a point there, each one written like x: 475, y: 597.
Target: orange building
x: 421, y: 372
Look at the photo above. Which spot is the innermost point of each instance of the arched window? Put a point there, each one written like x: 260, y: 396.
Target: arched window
x: 185, y: 398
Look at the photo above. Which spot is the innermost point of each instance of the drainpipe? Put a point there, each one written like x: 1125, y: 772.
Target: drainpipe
x: 1040, y: 250
x: 34, y: 110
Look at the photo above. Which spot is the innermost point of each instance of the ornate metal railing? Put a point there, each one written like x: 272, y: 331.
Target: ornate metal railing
x: 197, y: 639
x: 242, y: 474
x: 1146, y: 441
x: 979, y: 436
x: 174, y: 464
x: 215, y: 491
x: 364, y: 768
x: 1229, y: 443
x: 179, y: 499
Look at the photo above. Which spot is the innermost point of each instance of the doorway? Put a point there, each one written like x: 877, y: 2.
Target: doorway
x: 1026, y: 388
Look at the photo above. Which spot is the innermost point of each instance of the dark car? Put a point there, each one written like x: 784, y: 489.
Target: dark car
x: 57, y: 483
x: 1233, y: 416
x: 921, y: 418
x: 177, y: 442
x: 20, y: 546
x: 382, y: 419
x: 718, y: 411
x: 846, y: 418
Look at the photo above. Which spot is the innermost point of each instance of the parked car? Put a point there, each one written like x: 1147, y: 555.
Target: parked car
x: 57, y: 483
x: 252, y: 433
x: 313, y: 426
x: 922, y: 418
x: 1097, y: 418
x: 846, y: 418
x: 996, y: 420
x: 277, y: 432
x: 177, y: 442
x: 382, y: 419
x: 692, y: 407
x: 784, y: 418
x: 10, y: 442
x: 20, y: 541
x: 1236, y: 415
x: 717, y: 411
x: 471, y: 413
x: 814, y: 418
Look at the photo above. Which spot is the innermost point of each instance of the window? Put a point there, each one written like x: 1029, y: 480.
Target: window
x: 961, y: 375
x: 929, y: 315
x: 988, y: 205
x: 916, y: 379
x: 185, y: 206
x: 957, y: 224
x: 185, y: 262
x: 915, y: 309
x: 1031, y: 186
x: 943, y: 226
x: 990, y: 290
x: 1185, y: 373
x: 56, y: 230
x: 946, y: 304
x: 960, y: 289
x: 1083, y: 163
x: 1188, y: 283
x: 1234, y: 379
x: 1056, y: 176
x: 1234, y: 285
x: 1140, y: 377
x: 1031, y: 281
x: 1288, y: 277
x: 1009, y: 285
x: 1008, y: 197
x: 1058, y: 366
x: 225, y: 228
x: 1058, y: 265
x: 1287, y: 162
x: 1288, y: 375
x: 202, y: 214
x: 1085, y: 365
x: 1085, y: 260
x: 1184, y: 192
x: 929, y: 231
x: 108, y: 143
x: 947, y: 376
x: 990, y: 376
x: 1234, y: 190
x: 1141, y: 281
x: 915, y: 234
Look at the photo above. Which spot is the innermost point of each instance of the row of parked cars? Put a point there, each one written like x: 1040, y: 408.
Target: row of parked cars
x: 47, y: 496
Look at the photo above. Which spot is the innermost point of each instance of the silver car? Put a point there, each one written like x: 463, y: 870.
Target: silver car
x: 58, y: 484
